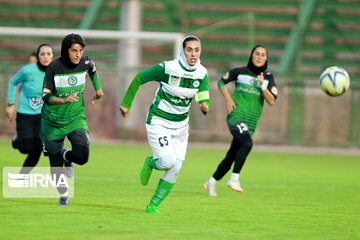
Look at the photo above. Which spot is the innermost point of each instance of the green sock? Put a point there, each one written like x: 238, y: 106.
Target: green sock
x: 162, y: 190
x: 152, y: 163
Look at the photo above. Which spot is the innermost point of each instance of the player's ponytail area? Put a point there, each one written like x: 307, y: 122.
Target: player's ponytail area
x: 287, y: 195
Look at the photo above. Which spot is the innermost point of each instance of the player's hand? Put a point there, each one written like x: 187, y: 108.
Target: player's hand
x: 10, y: 110
x: 261, y: 78
x: 124, y: 111
x: 71, y: 98
x: 98, y: 94
x: 204, y: 107
x: 230, y: 105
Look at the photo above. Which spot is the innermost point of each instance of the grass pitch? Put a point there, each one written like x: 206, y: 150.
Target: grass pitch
x: 287, y: 196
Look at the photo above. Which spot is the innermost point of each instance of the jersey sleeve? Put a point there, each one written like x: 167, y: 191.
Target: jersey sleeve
x: 95, y: 79
x: 48, y: 86
x: 272, y: 85
x: 154, y: 73
x: 228, y: 77
x: 203, y: 94
x: 131, y: 92
x: 14, y: 81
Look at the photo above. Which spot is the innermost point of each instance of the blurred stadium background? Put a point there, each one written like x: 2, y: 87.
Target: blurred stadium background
x: 303, y: 36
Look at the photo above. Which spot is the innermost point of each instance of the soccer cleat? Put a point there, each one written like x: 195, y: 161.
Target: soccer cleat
x: 235, y: 185
x: 68, y: 166
x: 151, y: 209
x: 63, y: 201
x: 210, y: 188
x: 145, y: 172
x: 13, y: 141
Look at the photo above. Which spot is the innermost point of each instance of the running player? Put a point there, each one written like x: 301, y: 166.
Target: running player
x: 63, y: 112
x: 28, y: 116
x: 167, y: 122
x: 253, y: 85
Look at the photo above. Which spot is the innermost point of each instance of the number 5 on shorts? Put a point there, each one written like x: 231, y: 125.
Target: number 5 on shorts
x: 163, y: 141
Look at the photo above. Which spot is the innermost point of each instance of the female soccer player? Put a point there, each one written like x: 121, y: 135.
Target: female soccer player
x: 63, y: 111
x: 28, y: 116
x: 253, y: 85
x: 167, y: 122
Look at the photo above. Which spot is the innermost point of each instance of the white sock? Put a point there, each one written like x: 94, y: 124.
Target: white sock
x: 234, y: 176
x: 212, y: 180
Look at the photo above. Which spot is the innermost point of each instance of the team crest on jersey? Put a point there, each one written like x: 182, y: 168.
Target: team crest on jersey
x: 196, y: 83
x: 72, y: 80
x: 174, y: 80
x: 36, y: 102
x: 254, y: 81
x: 87, y: 62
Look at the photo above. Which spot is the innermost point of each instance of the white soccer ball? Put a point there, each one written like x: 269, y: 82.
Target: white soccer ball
x: 334, y: 81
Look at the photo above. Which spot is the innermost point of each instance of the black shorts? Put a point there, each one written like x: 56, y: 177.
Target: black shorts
x: 239, y: 129
x: 78, y: 137
x: 27, y: 126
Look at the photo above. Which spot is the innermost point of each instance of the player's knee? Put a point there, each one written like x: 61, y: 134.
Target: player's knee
x: 80, y: 156
x: 177, y: 166
x: 172, y: 174
x: 25, y: 145
x: 80, y: 160
x: 166, y: 162
x: 248, y: 143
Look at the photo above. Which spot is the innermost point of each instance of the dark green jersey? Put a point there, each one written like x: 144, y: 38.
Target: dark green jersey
x: 61, y: 81
x: 248, y: 96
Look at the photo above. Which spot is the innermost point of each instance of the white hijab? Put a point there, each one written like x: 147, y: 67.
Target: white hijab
x: 181, y: 55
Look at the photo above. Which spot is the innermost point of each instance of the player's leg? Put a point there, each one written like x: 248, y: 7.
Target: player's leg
x: 223, y: 168
x: 226, y: 163
x: 53, y: 150
x: 165, y: 185
x: 163, y: 157
x: 243, y: 152
x: 28, y: 140
x: 242, y: 135
x: 79, y: 153
x: 169, y: 160
x: 33, y: 157
x: 80, y: 147
x: 24, y: 130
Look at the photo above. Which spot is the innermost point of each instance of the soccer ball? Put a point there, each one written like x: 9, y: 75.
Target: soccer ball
x: 334, y: 81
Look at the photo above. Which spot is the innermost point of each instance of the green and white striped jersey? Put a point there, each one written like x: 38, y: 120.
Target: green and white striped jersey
x: 177, y: 87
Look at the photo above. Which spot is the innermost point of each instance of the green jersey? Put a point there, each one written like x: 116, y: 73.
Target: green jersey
x: 248, y: 96
x: 58, y: 120
x: 177, y: 87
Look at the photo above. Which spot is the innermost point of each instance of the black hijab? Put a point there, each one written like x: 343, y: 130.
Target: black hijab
x: 252, y: 67
x: 40, y: 66
x: 66, y: 44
